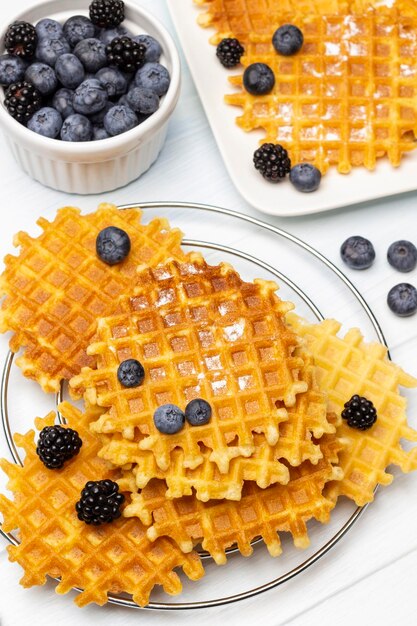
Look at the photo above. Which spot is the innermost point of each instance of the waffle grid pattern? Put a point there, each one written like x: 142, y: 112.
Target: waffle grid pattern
x: 116, y: 557
x: 260, y: 513
x: 347, y: 366
x: 199, y: 331
x: 56, y: 287
x: 349, y: 96
x: 295, y: 445
x: 239, y: 18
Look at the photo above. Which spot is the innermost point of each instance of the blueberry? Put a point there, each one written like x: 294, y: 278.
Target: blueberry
x: 100, y: 133
x: 97, y: 119
x: 90, y: 97
x: 49, y: 29
x: 144, y: 101
x: 153, y: 76
x: 63, y: 102
x: 12, y: 69
x: 107, y: 35
x: 169, y: 419
x: 113, y: 246
x: 49, y: 50
x: 46, y: 122
x: 69, y: 71
x: 153, y: 47
x: 123, y: 100
x: 288, y: 40
x: 402, y: 255
x: 198, y: 412
x: 92, y: 54
x: 130, y: 373
x: 76, y: 128
x: 120, y: 119
x: 42, y: 77
x: 402, y: 299
x: 305, y: 177
x: 258, y: 79
x: 77, y: 28
x: 113, y: 80
x: 358, y: 253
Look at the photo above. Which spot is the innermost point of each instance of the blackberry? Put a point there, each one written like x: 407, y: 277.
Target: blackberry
x: 272, y: 161
x: 56, y: 445
x: 21, y: 40
x: 107, y: 13
x: 22, y: 100
x: 100, y: 502
x: 360, y: 413
x: 126, y: 54
x: 229, y: 52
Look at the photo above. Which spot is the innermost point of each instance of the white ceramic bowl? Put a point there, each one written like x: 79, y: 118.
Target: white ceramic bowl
x: 95, y: 166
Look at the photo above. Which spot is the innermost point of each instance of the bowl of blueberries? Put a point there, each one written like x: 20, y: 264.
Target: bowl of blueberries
x: 87, y: 91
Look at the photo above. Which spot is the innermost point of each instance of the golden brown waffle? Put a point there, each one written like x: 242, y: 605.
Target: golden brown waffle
x: 239, y: 18
x: 295, y: 444
x: 347, y: 98
x: 347, y: 366
x: 199, y: 331
x: 115, y: 557
x: 260, y: 513
x: 57, y: 287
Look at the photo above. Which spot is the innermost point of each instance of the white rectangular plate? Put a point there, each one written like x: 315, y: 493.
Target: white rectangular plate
x: 237, y: 147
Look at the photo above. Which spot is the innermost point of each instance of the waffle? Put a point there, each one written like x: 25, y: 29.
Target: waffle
x: 346, y: 99
x: 199, y: 331
x: 239, y: 18
x: 115, y: 557
x: 295, y: 444
x: 347, y: 366
x: 56, y: 287
x: 260, y: 513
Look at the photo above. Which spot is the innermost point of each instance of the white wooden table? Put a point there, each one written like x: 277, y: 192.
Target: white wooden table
x: 370, y: 577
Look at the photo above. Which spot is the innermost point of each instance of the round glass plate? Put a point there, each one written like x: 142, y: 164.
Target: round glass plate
x: 319, y: 290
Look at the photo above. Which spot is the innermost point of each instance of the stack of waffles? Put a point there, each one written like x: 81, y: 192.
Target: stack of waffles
x: 348, y: 97
x: 274, y: 455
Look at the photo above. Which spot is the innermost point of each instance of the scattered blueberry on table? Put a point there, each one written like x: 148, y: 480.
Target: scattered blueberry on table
x: 357, y: 252
x: 98, y: 78
x: 402, y: 255
x: 402, y: 300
